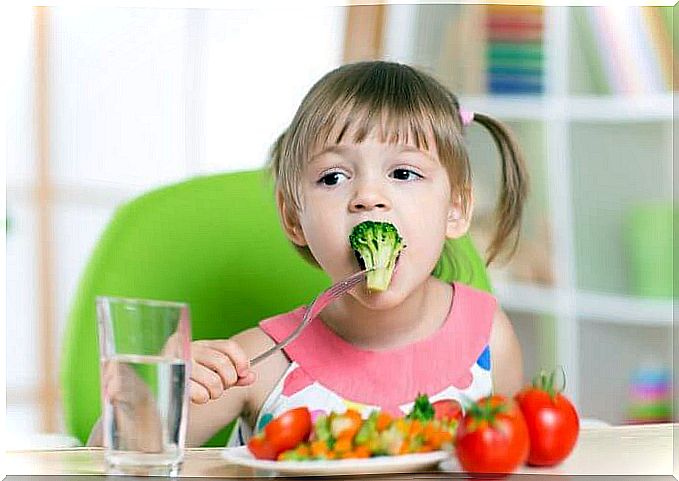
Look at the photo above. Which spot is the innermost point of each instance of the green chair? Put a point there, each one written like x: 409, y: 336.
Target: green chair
x: 214, y: 242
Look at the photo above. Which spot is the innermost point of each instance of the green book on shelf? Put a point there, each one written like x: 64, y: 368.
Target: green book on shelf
x: 515, y: 51
x: 526, y: 63
x: 650, y: 245
x: 668, y: 15
x: 657, y: 412
x: 596, y: 74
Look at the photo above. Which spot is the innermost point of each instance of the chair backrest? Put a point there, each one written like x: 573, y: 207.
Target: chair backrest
x: 214, y: 242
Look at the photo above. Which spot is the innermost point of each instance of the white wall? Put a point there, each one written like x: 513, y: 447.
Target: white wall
x: 259, y: 66
x: 140, y: 98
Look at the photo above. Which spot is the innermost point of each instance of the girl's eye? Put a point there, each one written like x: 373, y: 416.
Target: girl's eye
x: 332, y: 178
x: 405, y: 174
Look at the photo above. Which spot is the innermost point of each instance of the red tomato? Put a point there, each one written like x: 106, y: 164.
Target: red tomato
x: 289, y: 429
x: 261, y: 448
x: 553, y: 423
x: 492, y: 437
x: 448, y: 409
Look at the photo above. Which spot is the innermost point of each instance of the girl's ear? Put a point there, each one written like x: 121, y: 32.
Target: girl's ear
x: 458, y: 221
x: 289, y: 221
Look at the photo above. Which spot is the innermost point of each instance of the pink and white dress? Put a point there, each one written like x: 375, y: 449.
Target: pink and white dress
x: 329, y: 374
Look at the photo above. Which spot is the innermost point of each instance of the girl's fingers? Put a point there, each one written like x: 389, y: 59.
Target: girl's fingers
x: 236, y: 353
x: 246, y: 380
x: 199, y: 394
x: 219, y: 363
x: 209, y: 379
x: 217, y: 366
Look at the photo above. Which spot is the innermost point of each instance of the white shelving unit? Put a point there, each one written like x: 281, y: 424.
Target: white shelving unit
x: 560, y: 115
x: 575, y: 108
x: 589, y: 306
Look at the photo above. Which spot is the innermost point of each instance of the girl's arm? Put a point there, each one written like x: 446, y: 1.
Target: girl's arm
x: 206, y: 419
x: 506, y: 356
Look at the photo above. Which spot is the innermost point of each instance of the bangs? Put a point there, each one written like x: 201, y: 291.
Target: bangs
x: 388, y: 122
x: 393, y: 102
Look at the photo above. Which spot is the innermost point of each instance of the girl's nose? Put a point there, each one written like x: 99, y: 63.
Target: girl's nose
x: 366, y: 200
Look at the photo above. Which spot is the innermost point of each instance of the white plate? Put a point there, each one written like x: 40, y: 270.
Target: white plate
x: 404, y: 463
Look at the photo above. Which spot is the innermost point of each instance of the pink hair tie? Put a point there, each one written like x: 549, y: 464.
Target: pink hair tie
x: 467, y: 116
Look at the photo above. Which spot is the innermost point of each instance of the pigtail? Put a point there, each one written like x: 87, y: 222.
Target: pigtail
x: 514, y: 187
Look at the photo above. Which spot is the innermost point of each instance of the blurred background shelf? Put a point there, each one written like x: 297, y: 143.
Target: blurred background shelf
x: 589, y: 306
x: 645, y: 108
x: 633, y: 311
x: 586, y: 108
x: 590, y: 287
x: 525, y: 297
x: 525, y: 107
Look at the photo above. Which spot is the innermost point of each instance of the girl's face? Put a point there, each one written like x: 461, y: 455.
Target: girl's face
x: 348, y: 183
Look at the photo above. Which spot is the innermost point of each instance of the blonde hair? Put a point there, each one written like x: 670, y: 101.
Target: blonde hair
x: 404, y: 105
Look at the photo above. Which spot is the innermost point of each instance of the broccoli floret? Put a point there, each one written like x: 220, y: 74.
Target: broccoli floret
x: 377, y: 246
x: 422, y: 409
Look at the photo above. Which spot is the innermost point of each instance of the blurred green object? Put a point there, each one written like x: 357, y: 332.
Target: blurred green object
x: 649, y: 234
x: 214, y: 242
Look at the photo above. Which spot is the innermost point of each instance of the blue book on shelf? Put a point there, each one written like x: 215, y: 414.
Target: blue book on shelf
x: 519, y: 78
x: 515, y: 70
x: 505, y: 85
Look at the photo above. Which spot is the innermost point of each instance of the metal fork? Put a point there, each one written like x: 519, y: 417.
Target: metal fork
x: 319, y: 303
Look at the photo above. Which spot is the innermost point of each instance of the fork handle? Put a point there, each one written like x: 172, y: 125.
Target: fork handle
x: 280, y: 345
x: 309, y: 314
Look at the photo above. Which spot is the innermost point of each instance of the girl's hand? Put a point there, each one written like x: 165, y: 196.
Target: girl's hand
x: 217, y: 365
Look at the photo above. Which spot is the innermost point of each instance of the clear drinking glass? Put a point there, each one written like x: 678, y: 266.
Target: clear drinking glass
x: 145, y: 358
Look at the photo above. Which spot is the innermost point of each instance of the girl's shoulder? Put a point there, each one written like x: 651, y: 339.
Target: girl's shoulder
x: 471, y: 301
x: 268, y: 332
x: 279, y: 326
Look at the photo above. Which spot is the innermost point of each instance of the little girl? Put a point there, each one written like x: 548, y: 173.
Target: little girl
x: 376, y: 141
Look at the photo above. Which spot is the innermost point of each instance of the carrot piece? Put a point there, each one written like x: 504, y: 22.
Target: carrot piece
x: 343, y: 445
x: 405, y: 449
x: 383, y: 421
x: 347, y: 455
x: 428, y: 431
x: 355, y: 424
x: 303, y: 450
x: 354, y: 415
x: 319, y: 448
x: 415, y: 428
x: 362, y: 451
x: 436, y: 441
